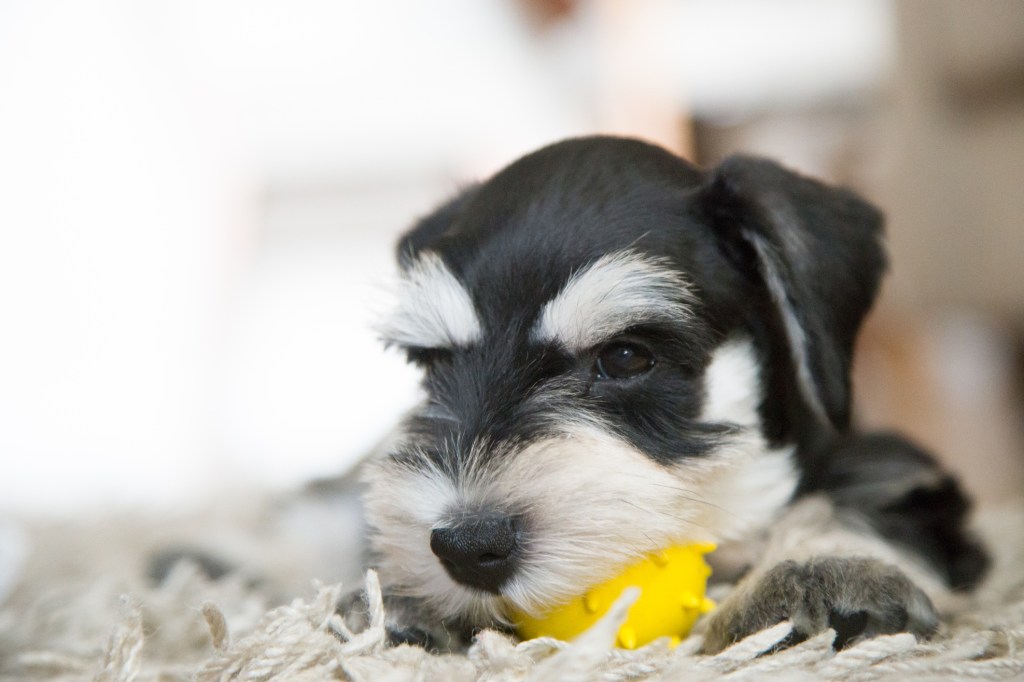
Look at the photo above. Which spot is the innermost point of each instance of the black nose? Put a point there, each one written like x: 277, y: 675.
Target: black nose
x: 479, y: 552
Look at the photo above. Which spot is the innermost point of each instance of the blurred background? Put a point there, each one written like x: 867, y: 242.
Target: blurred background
x: 199, y: 198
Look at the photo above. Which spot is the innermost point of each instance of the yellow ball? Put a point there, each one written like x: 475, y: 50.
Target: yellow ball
x: 672, y: 584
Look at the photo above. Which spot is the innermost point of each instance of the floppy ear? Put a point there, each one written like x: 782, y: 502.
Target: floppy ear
x: 816, y: 251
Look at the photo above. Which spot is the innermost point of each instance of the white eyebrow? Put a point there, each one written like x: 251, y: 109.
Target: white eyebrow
x: 434, y: 310
x: 615, y: 292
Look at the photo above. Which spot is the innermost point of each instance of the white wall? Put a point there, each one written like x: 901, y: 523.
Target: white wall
x: 199, y: 195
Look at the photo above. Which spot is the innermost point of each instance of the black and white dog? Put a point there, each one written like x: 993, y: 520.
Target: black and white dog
x: 622, y: 352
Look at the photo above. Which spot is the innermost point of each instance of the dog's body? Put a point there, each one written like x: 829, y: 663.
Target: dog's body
x: 622, y: 352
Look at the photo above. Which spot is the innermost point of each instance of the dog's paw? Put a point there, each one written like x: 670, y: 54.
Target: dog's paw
x: 406, y: 621
x: 857, y: 597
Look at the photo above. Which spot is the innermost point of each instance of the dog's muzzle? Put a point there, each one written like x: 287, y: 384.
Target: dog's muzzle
x: 479, y: 552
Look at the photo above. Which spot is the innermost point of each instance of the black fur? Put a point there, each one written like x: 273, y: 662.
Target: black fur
x: 907, y: 497
x: 558, y: 210
x: 784, y: 260
x: 823, y: 243
x: 516, y: 239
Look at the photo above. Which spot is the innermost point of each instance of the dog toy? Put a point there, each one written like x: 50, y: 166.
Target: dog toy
x: 672, y: 584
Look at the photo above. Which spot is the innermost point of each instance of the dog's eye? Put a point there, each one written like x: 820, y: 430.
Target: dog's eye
x: 623, y: 360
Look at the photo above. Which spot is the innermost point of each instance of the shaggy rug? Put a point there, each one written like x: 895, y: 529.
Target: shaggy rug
x: 83, y: 603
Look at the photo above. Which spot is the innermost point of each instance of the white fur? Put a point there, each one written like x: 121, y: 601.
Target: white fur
x: 592, y: 504
x: 434, y: 310
x: 590, y: 501
x: 612, y: 294
x: 596, y: 503
x: 794, y: 331
x: 732, y: 384
x: 751, y: 493
x: 403, y: 504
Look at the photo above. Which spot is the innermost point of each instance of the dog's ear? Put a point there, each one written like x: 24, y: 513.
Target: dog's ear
x: 815, y: 252
x: 430, y: 229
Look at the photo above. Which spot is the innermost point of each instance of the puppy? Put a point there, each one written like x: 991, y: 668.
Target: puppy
x: 621, y: 352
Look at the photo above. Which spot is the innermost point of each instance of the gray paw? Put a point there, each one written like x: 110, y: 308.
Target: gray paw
x: 859, y: 598
x: 407, y: 621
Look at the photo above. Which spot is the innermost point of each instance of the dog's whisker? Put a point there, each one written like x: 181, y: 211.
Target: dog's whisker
x: 692, y: 497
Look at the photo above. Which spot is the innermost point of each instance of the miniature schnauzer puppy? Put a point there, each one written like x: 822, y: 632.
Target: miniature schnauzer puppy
x: 621, y: 352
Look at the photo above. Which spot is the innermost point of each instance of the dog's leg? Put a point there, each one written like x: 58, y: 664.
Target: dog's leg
x: 880, y: 535
x: 908, y: 499
x: 857, y: 596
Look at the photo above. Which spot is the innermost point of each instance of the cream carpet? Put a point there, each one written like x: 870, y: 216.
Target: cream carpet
x: 80, y: 606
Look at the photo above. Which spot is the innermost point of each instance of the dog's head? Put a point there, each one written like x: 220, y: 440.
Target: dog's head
x: 620, y: 352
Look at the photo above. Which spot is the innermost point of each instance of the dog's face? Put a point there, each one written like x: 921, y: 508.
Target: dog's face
x: 620, y: 352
